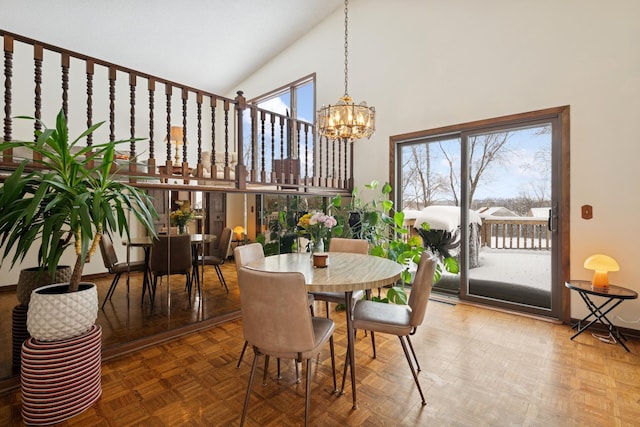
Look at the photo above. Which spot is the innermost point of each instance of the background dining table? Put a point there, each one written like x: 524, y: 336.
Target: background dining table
x: 146, y: 243
x: 345, y: 272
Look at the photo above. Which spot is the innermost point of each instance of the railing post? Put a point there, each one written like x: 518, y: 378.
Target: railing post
x: 241, y: 178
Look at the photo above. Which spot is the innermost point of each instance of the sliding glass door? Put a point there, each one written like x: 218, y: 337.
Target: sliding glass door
x: 487, y: 192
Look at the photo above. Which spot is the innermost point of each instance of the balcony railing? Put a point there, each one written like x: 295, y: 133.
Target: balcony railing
x: 515, y: 233
x: 227, y: 143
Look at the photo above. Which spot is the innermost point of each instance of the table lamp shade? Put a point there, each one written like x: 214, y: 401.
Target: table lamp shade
x: 177, y: 135
x: 601, y: 264
x: 238, y: 230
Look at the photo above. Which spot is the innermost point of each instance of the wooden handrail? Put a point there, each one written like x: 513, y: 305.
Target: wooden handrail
x: 272, y: 149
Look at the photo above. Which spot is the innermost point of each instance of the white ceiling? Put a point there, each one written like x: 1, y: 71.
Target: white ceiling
x: 208, y: 44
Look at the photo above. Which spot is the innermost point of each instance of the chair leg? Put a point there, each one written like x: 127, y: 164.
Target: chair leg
x: 153, y: 291
x: 347, y: 363
x: 306, y: 394
x: 266, y: 369
x: 246, y: 399
x: 188, y: 285
x: 415, y: 358
x: 221, y: 277
x: 373, y: 343
x: 112, y: 288
x: 333, y: 365
x: 244, y: 348
x: 413, y: 371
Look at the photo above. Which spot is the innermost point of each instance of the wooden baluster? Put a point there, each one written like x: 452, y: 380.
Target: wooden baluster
x: 168, y: 163
x: 318, y: 178
x: 263, y: 171
x: 214, y: 171
x: 254, y: 143
x: 273, y: 147
x: 333, y: 164
x: 306, y: 153
x: 37, y: 77
x: 227, y: 170
x: 185, y: 162
x: 65, y: 84
x: 199, y: 113
x: 326, y: 165
x: 112, y: 103
x: 339, y: 182
x: 132, y: 123
x: 281, y: 171
x: 89, y: 70
x: 7, y: 155
x: 241, y: 178
x: 151, y: 165
x: 346, y: 177
x: 298, y: 156
x: 351, y: 183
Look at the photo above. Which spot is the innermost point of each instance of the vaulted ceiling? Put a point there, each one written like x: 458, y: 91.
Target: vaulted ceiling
x: 208, y: 44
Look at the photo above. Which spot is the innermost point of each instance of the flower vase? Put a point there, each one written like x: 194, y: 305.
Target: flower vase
x: 182, y: 228
x: 318, y: 246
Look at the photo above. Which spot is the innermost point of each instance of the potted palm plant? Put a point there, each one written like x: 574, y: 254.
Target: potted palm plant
x: 68, y: 198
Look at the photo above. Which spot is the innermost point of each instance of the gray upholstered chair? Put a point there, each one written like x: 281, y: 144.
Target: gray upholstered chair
x: 338, y: 244
x: 292, y: 333
x: 171, y: 255
x: 243, y: 255
x: 110, y: 259
x: 218, y: 259
x: 399, y: 320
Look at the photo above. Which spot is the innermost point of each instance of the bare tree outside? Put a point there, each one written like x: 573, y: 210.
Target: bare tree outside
x: 484, y: 150
x: 420, y: 184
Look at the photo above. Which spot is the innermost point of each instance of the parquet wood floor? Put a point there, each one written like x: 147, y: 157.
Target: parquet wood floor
x: 480, y: 368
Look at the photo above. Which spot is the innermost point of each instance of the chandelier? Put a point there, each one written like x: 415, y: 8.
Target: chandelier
x: 346, y: 120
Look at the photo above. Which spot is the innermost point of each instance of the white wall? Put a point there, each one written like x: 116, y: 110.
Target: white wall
x: 426, y: 64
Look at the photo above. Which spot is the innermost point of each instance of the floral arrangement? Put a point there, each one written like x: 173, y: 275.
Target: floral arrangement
x: 317, y: 226
x: 181, y: 217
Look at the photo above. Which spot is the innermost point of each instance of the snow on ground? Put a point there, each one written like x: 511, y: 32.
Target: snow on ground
x: 526, y: 267
x: 518, y: 266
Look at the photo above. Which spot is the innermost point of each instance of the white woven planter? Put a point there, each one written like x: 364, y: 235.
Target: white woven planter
x: 55, y: 314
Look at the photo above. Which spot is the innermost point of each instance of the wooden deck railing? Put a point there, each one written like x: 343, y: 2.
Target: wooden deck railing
x: 515, y: 233
x: 248, y: 147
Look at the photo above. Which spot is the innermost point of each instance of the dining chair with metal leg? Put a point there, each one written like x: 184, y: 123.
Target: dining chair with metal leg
x: 171, y: 255
x: 292, y: 333
x: 110, y: 259
x: 399, y: 320
x: 219, y: 258
x: 243, y: 255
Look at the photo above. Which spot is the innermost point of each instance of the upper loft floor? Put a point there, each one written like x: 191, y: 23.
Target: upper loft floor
x: 180, y: 136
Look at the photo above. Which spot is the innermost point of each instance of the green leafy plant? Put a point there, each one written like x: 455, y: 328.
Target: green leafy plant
x: 384, y: 228
x: 69, y: 198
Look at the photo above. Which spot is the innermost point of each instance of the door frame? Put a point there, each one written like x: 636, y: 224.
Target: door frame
x: 560, y: 187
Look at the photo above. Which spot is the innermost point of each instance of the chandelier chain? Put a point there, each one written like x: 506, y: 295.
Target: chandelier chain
x: 346, y: 46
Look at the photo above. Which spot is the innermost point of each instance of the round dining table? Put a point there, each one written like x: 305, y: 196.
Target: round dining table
x: 345, y: 272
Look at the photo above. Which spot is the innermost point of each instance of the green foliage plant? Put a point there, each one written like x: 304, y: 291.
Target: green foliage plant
x: 68, y: 198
